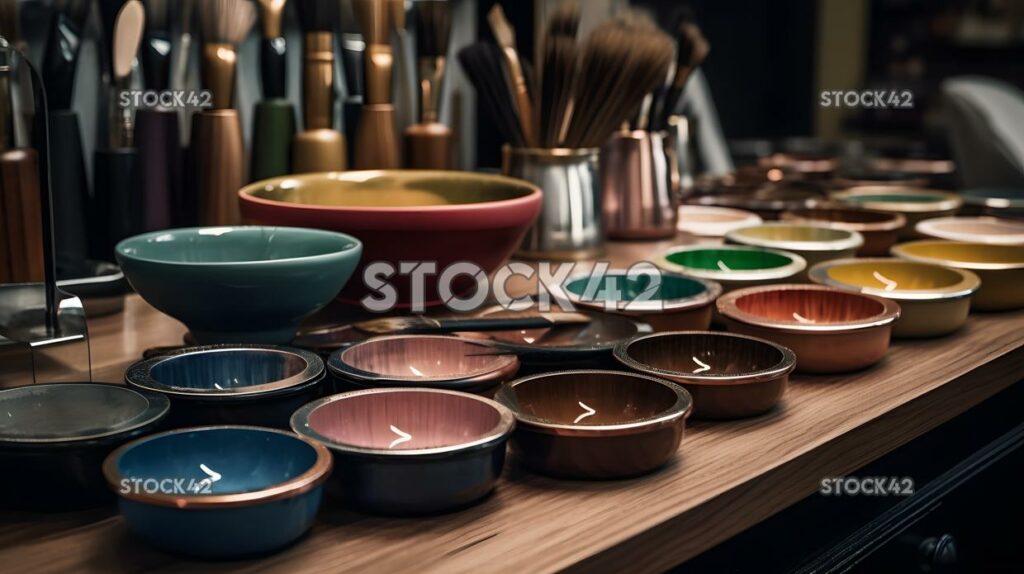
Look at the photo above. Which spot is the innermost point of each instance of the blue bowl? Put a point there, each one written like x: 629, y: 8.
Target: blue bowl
x: 239, y: 284
x: 219, y: 492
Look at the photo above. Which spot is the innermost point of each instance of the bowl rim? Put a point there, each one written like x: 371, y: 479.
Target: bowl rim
x: 139, y: 375
x: 894, y: 222
x: 728, y: 308
x: 976, y: 196
x: 500, y: 433
x: 247, y: 193
x: 852, y: 240
x: 529, y: 351
x: 968, y: 285
x: 310, y: 479
x: 711, y: 291
x: 503, y: 365
x: 944, y: 200
x: 157, y: 407
x: 900, y: 250
x: 714, y: 228
x: 680, y: 409
x: 796, y: 264
x: 354, y: 246
x: 783, y: 368
x: 932, y: 228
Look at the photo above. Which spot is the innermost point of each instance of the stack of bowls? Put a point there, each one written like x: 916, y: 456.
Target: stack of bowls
x: 815, y: 243
x: 1000, y: 267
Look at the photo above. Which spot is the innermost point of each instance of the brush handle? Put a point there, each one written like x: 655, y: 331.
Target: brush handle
x: 376, y: 142
x: 318, y: 81
x: 60, y: 61
x: 273, y: 71
x: 483, y: 324
x: 155, y: 53
x: 20, y: 194
x: 272, y: 135
x: 219, y: 156
x: 117, y: 200
x: 161, y: 166
x: 351, y: 109
x: 429, y: 146
x: 70, y: 190
x: 352, y: 49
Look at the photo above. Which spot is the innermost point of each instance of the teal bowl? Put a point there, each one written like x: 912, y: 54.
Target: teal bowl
x: 239, y: 284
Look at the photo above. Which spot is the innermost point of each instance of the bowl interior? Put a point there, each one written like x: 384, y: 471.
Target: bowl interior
x: 418, y: 358
x: 404, y: 420
x: 391, y: 189
x: 895, y: 275
x: 591, y: 398
x: 882, y: 197
x: 810, y: 306
x: 234, y: 245
x: 725, y: 259
x: 603, y: 331
x: 68, y: 411
x: 975, y: 226
x: 226, y: 369
x: 705, y: 354
x: 800, y: 233
x: 967, y: 252
x: 843, y: 215
x: 240, y: 459
x: 621, y: 287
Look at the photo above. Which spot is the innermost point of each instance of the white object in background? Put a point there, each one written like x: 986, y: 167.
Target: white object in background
x: 984, y: 117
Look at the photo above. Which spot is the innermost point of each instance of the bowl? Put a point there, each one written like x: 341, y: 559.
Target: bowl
x: 54, y: 437
x: 596, y: 424
x: 766, y: 202
x: 734, y: 266
x: 442, y: 217
x: 879, y: 229
x: 1000, y: 267
x: 934, y: 300
x: 258, y: 385
x: 815, y: 243
x: 915, y: 204
x: 830, y: 330
x: 855, y: 178
x: 669, y: 302
x: 809, y: 165
x: 729, y: 376
x: 709, y: 221
x: 992, y: 200
x: 433, y: 361
x: 408, y: 451
x: 977, y: 229
x: 239, y: 284
x: 219, y: 491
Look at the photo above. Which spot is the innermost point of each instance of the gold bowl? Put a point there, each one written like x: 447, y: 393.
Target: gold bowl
x: 1000, y: 268
x: 934, y: 300
x: 815, y: 243
x: 916, y: 204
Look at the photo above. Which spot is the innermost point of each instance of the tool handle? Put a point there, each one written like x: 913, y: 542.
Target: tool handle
x: 273, y: 71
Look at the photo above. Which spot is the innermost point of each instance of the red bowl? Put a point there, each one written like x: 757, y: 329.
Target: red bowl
x: 442, y: 217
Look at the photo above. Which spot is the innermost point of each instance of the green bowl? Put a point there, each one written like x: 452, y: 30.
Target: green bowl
x: 734, y: 266
x: 239, y: 284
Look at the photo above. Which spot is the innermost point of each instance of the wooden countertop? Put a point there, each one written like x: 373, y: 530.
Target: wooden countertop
x: 728, y: 476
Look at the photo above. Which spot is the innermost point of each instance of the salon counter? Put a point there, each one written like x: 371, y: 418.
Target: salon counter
x: 728, y: 477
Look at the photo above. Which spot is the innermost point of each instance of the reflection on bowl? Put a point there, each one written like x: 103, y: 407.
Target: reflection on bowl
x: 219, y: 492
x: 410, y: 451
x: 239, y: 284
x: 596, y: 424
x: 879, y: 229
x: 978, y: 229
x: 730, y: 376
x: 405, y: 215
x: 915, y: 204
x: 423, y: 360
x: 831, y: 331
x: 815, y: 243
x: 1000, y: 267
x: 934, y: 300
x: 734, y: 266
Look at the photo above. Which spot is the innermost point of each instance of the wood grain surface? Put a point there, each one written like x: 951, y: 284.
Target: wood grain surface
x: 727, y: 477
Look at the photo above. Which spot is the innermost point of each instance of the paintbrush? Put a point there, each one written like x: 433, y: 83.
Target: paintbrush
x: 482, y: 63
x: 376, y: 140
x: 319, y: 147
x: 558, y: 74
x: 274, y: 117
x: 404, y: 94
x: 10, y: 24
x: 352, y: 49
x: 184, y: 50
x: 60, y: 58
x: 156, y: 45
x: 505, y: 35
x: 429, y: 143
x: 421, y: 324
x: 693, y: 50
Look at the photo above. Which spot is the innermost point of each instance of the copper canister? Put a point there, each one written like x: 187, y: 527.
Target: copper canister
x: 640, y: 185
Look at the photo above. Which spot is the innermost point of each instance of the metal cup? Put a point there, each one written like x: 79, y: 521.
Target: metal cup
x: 640, y: 183
x: 569, y: 226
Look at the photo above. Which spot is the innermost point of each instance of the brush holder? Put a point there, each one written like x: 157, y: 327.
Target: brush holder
x: 158, y: 133
x: 640, y: 185
x: 569, y: 226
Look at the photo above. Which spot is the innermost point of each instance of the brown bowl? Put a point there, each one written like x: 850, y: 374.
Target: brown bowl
x: 915, y: 204
x: 730, y: 376
x: 880, y: 229
x: 809, y: 165
x: 767, y: 202
x: 596, y: 424
x: 830, y: 330
x: 433, y: 361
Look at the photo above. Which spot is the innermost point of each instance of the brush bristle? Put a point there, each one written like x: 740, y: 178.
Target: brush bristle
x: 157, y: 15
x: 433, y: 28
x: 484, y: 66
x: 226, y: 21
x: 558, y: 72
x: 10, y: 21
x: 318, y: 15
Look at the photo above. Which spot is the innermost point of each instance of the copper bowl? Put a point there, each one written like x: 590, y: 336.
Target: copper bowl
x: 815, y: 243
x: 730, y: 376
x: 767, y: 202
x: 916, y: 204
x: 433, y: 361
x: 596, y: 424
x: 675, y: 302
x: 880, y: 229
x: 810, y: 165
x: 934, y: 300
x: 409, y: 451
x: 1000, y: 267
x: 978, y: 229
x: 830, y: 330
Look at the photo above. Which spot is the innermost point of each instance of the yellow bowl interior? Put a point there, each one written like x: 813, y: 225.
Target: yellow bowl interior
x: 967, y: 252
x: 906, y: 276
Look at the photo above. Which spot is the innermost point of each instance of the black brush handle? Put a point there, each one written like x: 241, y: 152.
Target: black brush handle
x: 70, y: 189
x: 273, y: 73
x: 117, y: 200
x: 160, y: 166
x: 352, y: 62
x: 502, y: 324
x: 60, y: 60
x: 156, y: 61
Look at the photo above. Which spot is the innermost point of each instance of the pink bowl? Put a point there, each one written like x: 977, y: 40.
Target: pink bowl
x: 442, y: 217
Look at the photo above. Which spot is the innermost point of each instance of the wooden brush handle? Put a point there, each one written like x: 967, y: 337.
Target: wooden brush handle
x: 522, y: 96
x: 19, y: 191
